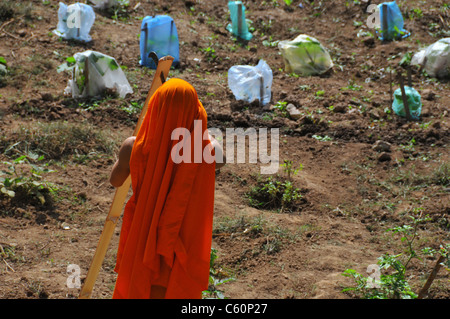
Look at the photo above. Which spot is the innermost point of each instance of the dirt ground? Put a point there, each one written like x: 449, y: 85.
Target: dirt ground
x: 351, y: 194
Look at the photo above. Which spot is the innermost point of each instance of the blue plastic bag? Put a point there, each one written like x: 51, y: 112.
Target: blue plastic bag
x: 394, y: 28
x: 158, y: 34
x: 250, y: 83
x: 75, y: 21
x: 414, y: 103
x: 238, y: 26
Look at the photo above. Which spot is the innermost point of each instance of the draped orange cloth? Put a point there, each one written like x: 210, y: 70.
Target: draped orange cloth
x: 166, y: 230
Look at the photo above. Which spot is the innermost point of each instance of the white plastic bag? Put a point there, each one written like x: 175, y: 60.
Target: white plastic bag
x: 75, y: 21
x: 435, y: 59
x: 95, y: 72
x: 305, y: 55
x: 250, y: 83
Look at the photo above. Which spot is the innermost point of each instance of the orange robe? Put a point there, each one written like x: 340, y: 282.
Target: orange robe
x: 166, y: 231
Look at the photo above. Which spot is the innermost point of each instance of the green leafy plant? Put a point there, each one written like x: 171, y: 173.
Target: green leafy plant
x: 319, y: 94
x: 392, y: 282
x: 270, y: 43
x: 416, y: 13
x: 281, y: 108
x: 210, y: 53
x: 16, y: 182
x: 217, y: 277
x: 352, y: 86
x: 133, y: 108
x: 276, y: 192
x: 406, y: 59
x: 325, y: 138
x: 290, y: 170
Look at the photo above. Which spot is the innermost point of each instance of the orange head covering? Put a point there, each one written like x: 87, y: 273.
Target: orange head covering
x: 166, y: 231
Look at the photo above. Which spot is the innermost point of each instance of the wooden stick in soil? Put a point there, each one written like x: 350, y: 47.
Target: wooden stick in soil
x: 239, y: 16
x: 405, y: 98
x: 431, y: 277
x: 409, y: 77
x: 384, y: 24
x: 86, y: 76
x: 115, y: 211
x: 390, y: 88
x: 261, y: 90
x: 5, y: 24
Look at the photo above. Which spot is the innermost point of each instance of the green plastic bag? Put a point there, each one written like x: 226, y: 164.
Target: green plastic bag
x: 305, y: 55
x: 414, y: 103
x: 238, y: 26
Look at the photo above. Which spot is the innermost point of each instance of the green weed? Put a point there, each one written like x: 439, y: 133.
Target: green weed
x: 217, y: 277
x: 59, y: 140
x: 18, y: 183
x: 276, y: 192
x: 392, y: 281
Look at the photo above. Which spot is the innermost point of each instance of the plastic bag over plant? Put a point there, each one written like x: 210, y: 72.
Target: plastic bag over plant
x: 250, y: 83
x: 414, y: 102
x: 107, y: 4
x: 158, y: 34
x: 435, y: 59
x: 3, y: 67
x: 75, y: 21
x: 93, y: 73
x: 238, y: 26
x: 305, y: 55
x: 392, y: 26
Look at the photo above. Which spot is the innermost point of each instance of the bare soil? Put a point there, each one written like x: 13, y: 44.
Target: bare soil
x: 350, y: 196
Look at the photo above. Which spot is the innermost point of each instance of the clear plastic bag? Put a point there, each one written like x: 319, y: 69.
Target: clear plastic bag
x: 305, y: 55
x: 250, y: 83
x: 93, y: 73
x: 238, y: 26
x: 414, y: 103
x: 394, y: 28
x: 75, y: 21
x: 158, y: 34
x: 435, y: 59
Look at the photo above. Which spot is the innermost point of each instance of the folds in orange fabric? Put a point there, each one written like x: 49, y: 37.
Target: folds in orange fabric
x: 166, y: 231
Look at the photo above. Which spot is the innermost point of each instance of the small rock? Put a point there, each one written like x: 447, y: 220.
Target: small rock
x: 382, y: 146
x: 384, y: 157
x: 369, y: 41
x: 340, y: 108
x: 375, y: 114
x: 428, y: 95
x: 436, y: 125
x: 47, y: 97
x: 294, y: 113
x: 22, y: 33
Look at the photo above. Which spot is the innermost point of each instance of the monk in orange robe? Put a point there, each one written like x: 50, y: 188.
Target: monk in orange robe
x: 165, y: 241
